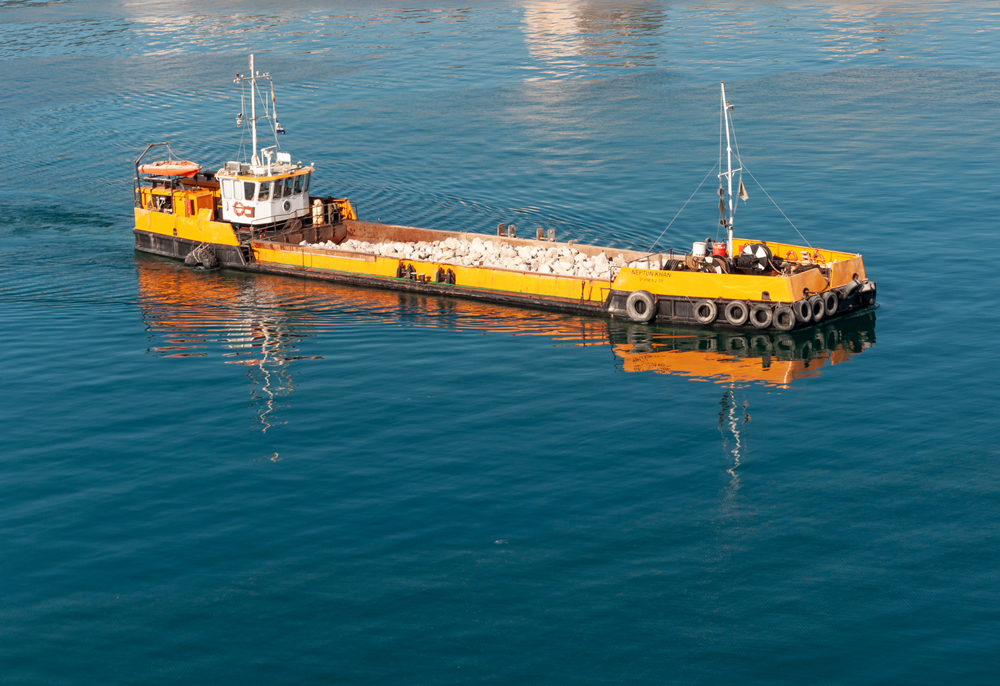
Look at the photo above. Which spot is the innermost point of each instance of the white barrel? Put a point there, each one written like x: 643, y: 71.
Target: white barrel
x: 698, y: 249
x: 317, y: 209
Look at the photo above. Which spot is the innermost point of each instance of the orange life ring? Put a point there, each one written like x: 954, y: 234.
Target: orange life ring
x: 238, y: 208
x: 790, y: 255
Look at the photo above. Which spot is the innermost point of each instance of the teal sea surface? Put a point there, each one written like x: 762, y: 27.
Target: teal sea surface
x: 227, y: 478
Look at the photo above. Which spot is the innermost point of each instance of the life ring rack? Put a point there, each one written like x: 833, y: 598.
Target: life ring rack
x: 242, y: 210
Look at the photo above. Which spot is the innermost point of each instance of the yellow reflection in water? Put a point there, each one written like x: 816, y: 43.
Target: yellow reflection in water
x: 257, y: 321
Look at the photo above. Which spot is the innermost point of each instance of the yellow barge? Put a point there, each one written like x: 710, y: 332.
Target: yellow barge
x: 260, y: 215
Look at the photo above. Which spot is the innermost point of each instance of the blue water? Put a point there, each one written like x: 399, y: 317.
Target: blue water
x: 227, y: 478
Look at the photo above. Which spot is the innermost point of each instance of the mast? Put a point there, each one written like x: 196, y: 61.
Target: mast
x: 252, y: 79
x: 729, y: 172
x: 253, y: 116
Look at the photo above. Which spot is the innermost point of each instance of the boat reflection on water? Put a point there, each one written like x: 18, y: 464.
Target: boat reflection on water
x: 191, y: 314
x: 774, y: 359
x: 737, y: 360
x: 259, y: 321
x: 740, y: 359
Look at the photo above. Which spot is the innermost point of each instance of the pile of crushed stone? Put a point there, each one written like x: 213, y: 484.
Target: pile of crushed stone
x: 564, y: 260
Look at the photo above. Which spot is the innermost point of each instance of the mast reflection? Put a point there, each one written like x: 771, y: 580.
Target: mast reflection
x: 732, y: 417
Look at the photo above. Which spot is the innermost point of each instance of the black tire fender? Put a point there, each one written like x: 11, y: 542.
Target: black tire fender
x: 640, y: 306
x: 208, y: 258
x: 848, y: 290
x: 784, y: 318
x: 867, y: 294
x: 831, y: 303
x: 737, y: 313
x: 817, y: 307
x: 705, y: 311
x: 203, y: 256
x: 761, y: 316
x: 803, y: 311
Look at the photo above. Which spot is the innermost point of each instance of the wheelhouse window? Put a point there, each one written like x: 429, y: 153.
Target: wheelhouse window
x: 265, y: 191
x: 298, y: 184
x: 249, y: 190
x: 287, y: 188
x: 227, y: 189
x: 305, y: 184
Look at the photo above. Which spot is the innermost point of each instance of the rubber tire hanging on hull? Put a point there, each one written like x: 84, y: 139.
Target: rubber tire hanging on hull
x: 641, y: 306
x: 803, y: 311
x: 203, y: 256
x: 761, y: 316
x: 818, y: 308
x: 737, y: 313
x: 784, y: 318
x: 705, y: 311
x: 831, y: 303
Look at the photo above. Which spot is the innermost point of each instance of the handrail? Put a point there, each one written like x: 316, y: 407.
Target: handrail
x: 147, y: 149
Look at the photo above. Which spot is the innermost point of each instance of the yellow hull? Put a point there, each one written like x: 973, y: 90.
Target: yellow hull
x: 199, y: 227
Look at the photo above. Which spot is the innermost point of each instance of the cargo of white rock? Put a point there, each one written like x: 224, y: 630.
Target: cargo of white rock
x: 564, y: 260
